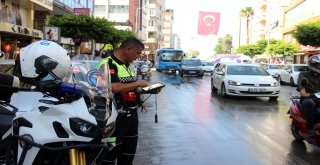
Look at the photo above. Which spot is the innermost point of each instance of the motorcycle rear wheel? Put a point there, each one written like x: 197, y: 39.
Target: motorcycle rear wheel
x: 295, y: 132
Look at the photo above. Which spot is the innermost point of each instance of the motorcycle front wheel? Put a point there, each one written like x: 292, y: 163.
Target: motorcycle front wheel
x: 295, y: 132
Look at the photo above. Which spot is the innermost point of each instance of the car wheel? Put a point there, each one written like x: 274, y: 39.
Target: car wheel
x: 213, y: 89
x: 292, y: 82
x: 295, y: 132
x: 223, y: 91
x: 280, y: 80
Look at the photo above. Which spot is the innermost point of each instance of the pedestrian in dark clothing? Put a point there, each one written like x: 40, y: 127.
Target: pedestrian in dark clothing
x: 127, y: 100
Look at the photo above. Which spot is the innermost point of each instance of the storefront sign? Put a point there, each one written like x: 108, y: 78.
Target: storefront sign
x: 36, y: 34
x: 21, y: 30
x: 79, y: 11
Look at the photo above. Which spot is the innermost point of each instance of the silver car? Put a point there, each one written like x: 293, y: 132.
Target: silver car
x: 191, y: 66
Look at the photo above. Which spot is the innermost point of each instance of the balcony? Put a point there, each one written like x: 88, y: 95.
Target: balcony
x: 151, y: 40
x: 151, y: 29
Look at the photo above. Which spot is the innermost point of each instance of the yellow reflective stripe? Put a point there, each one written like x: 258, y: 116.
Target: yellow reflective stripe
x: 112, y: 141
x: 123, y: 71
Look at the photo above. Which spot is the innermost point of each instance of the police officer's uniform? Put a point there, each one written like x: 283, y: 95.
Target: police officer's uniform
x: 126, y: 131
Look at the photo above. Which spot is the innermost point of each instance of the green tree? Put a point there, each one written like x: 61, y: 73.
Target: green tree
x: 283, y: 48
x: 250, y: 50
x: 83, y: 27
x: 308, y: 34
x: 118, y: 36
x: 224, y: 45
x: 247, y: 13
x: 192, y: 53
x: 218, y: 48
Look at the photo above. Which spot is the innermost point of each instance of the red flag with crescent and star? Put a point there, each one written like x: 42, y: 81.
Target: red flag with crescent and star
x: 208, y: 23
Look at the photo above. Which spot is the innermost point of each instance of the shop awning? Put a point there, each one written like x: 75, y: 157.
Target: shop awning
x: 20, y: 30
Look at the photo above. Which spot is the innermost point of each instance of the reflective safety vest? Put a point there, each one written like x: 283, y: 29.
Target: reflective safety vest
x: 124, y: 73
x: 126, y: 100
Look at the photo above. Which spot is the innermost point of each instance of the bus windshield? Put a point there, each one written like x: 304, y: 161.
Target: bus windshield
x: 171, y: 55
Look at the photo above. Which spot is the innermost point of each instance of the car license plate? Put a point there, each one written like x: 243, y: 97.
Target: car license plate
x: 256, y: 89
x: 192, y: 71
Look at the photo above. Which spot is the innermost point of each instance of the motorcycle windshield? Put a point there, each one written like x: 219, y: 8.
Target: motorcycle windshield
x: 96, y: 85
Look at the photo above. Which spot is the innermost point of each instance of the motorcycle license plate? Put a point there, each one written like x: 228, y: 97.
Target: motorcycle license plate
x: 256, y: 89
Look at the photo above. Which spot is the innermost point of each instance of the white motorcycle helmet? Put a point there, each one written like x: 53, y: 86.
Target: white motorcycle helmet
x: 44, y: 57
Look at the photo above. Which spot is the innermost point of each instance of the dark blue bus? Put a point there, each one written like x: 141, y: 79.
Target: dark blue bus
x: 168, y: 59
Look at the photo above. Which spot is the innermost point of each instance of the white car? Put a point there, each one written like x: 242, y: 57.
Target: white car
x: 244, y: 80
x: 273, y: 69
x: 289, y: 74
x: 207, y: 67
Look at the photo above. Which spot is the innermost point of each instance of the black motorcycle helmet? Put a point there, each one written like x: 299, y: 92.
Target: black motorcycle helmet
x: 314, y: 63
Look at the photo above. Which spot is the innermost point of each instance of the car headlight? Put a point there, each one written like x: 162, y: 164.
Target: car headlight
x: 275, y: 84
x: 83, y: 128
x: 235, y: 83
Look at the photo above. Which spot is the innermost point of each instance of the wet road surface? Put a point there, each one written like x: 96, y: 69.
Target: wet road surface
x: 197, y: 127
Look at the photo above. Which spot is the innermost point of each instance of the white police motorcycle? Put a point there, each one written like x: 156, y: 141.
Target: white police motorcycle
x: 55, y: 121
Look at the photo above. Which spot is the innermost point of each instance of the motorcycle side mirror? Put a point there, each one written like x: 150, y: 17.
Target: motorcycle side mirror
x: 304, y: 83
x: 2, y: 54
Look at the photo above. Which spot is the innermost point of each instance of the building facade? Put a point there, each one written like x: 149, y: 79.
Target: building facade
x: 23, y: 22
x: 17, y: 20
x: 300, y: 12
x: 167, y: 29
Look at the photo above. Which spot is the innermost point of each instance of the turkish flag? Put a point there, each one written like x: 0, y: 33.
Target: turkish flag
x: 208, y: 23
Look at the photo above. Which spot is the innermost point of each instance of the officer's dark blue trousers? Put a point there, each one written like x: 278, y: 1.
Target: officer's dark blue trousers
x: 126, y: 134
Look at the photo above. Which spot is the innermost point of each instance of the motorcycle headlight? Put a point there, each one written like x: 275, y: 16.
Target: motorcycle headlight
x: 83, y: 128
x: 235, y: 83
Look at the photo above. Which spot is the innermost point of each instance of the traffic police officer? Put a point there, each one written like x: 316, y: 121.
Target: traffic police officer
x: 127, y: 100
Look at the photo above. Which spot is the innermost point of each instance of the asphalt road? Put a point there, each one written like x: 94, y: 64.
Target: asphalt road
x: 198, y: 127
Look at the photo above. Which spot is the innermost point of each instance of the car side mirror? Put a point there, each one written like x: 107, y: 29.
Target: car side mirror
x: 2, y: 54
x: 304, y: 83
x: 220, y: 73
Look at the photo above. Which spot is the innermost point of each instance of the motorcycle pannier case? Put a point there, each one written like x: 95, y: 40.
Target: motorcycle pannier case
x: 8, y: 85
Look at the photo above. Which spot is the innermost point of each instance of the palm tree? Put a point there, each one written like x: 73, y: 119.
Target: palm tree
x: 246, y: 13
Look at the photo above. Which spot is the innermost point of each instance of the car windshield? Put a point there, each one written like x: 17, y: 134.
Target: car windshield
x: 246, y: 70
x: 192, y: 62
x: 274, y: 67
x: 300, y: 68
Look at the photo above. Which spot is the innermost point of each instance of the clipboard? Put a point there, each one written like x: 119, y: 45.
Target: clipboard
x: 153, y: 89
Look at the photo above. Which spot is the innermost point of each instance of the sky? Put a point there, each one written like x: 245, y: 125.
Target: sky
x: 185, y: 22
